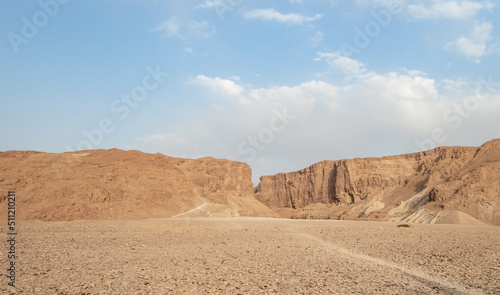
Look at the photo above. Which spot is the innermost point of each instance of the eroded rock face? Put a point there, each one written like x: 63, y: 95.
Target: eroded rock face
x: 116, y: 184
x: 409, y: 187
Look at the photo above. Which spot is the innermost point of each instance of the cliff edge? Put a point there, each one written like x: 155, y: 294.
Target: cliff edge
x: 444, y: 185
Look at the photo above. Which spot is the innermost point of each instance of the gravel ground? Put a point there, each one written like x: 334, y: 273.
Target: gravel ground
x: 252, y: 256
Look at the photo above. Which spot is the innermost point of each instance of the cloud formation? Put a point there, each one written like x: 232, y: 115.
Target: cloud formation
x: 224, y: 89
x: 185, y: 29
x: 476, y: 44
x: 208, y: 4
x: 317, y: 39
x: 449, y: 9
x: 435, y: 9
x: 273, y: 15
x: 342, y: 63
x: 403, y: 105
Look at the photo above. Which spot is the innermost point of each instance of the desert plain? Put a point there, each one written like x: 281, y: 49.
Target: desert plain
x: 253, y: 255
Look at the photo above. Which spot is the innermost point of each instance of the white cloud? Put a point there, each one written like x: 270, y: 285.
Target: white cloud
x: 364, y: 117
x: 394, y: 86
x: 201, y: 29
x: 455, y: 87
x: 435, y: 9
x: 414, y: 73
x: 210, y: 4
x: 223, y: 88
x: 273, y: 15
x: 317, y: 39
x: 170, y: 27
x: 186, y: 29
x: 296, y: 1
x: 300, y: 99
x: 476, y: 45
x: 451, y: 9
x: 342, y: 63
x: 381, y: 2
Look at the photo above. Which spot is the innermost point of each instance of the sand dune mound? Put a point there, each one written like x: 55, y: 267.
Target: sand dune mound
x: 444, y: 185
x: 117, y: 184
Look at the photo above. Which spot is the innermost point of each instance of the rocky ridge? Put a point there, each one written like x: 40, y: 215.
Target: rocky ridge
x: 444, y: 185
x: 117, y: 184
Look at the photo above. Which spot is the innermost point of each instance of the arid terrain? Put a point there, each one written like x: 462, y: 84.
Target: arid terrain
x: 454, y: 185
x: 254, y: 256
x: 127, y: 222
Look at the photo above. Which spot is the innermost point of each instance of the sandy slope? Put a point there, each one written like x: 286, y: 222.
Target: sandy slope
x: 253, y: 256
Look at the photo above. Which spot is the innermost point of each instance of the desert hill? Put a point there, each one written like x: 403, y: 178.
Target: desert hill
x: 117, y: 184
x: 444, y: 185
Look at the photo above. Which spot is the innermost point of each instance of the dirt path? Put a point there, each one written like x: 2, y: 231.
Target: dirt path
x: 193, y: 210
x: 418, y: 275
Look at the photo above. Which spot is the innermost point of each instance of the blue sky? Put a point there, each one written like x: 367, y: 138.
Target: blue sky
x: 277, y: 84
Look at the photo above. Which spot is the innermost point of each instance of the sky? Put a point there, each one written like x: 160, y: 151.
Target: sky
x: 279, y: 85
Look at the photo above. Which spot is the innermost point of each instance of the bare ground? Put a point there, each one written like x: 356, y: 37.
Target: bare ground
x: 252, y: 256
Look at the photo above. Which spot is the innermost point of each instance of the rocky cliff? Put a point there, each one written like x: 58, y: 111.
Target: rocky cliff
x: 116, y: 184
x: 444, y: 185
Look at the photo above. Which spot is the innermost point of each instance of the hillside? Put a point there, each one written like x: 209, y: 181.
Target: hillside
x: 117, y: 184
x: 444, y: 185
x: 458, y: 185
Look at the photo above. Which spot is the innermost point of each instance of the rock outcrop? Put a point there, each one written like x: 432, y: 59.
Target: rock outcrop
x: 447, y: 184
x: 117, y: 184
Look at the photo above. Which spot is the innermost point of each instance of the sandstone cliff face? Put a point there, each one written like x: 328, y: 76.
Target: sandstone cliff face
x: 116, y: 184
x: 440, y: 185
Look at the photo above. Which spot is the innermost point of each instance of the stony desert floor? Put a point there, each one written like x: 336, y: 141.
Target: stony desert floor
x: 252, y: 256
